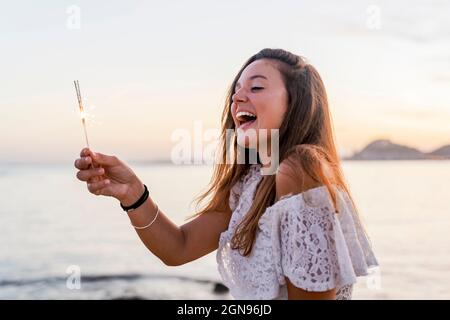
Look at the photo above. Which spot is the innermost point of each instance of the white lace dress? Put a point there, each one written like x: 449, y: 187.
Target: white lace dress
x: 299, y: 237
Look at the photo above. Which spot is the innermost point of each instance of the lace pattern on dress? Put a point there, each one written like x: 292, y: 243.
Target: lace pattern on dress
x: 299, y: 237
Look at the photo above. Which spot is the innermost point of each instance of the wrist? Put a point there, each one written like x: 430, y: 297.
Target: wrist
x: 133, y: 194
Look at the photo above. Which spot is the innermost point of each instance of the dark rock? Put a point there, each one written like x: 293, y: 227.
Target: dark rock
x: 220, y: 288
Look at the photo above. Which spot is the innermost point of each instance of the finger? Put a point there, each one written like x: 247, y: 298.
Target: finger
x: 85, y: 152
x: 85, y: 175
x: 100, y: 158
x: 97, y: 187
x: 83, y: 163
x: 96, y: 178
x: 104, y: 159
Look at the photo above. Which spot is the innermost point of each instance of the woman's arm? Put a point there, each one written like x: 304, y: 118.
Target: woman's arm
x: 176, y: 245
x: 295, y: 293
x: 292, y: 179
x: 172, y: 244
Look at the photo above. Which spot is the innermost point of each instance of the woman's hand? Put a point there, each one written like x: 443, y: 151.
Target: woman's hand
x: 108, y: 176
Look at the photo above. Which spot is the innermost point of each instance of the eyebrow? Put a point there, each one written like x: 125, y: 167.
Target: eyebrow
x: 251, y: 78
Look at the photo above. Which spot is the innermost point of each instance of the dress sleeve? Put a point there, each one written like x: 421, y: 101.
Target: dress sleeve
x: 316, y: 248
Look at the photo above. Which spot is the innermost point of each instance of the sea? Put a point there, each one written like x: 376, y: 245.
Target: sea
x: 58, y: 241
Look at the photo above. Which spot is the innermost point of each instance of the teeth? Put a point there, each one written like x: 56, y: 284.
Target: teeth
x: 244, y: 113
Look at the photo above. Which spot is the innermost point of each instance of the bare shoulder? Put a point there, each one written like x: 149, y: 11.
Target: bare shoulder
x: 292, y: 177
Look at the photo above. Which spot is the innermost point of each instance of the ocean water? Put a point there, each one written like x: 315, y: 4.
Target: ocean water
x: 51, y: 229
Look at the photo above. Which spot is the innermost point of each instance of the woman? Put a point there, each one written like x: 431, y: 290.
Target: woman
x: 294, y: 234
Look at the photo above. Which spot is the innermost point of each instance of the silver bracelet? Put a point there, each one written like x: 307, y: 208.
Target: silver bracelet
x: 148, y: 225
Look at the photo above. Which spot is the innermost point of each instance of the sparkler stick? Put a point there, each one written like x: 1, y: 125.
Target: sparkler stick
x: 82, y: 113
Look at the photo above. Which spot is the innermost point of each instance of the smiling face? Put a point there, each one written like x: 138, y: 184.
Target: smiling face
x: 260, y: 101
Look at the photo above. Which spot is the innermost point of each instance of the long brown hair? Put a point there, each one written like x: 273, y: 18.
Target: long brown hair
x: 305, y: 135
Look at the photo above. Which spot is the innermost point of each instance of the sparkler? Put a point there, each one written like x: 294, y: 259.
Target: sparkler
x: 83, y: 115
x: 82, y: 112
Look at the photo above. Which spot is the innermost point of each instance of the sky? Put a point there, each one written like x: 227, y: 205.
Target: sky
x: 149, y: 68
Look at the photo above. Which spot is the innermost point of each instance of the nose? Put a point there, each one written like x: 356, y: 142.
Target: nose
x: 239, y: 96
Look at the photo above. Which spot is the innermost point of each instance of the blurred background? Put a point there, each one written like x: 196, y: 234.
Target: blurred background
x: 149, y: 69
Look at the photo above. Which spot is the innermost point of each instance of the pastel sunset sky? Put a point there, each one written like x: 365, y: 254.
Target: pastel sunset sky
x: 148, y: 68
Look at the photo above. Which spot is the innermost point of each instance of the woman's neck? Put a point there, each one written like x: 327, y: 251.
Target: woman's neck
x: 268, y: 159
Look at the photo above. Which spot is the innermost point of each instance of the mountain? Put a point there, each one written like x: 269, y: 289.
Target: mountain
x: 442, y: 152
x: 387, y: 150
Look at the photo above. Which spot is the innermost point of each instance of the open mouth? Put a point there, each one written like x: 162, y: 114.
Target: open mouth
x: 245, y: 119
